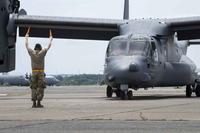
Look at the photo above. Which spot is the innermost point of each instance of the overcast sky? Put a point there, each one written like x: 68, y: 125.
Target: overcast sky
x: 83, y: 56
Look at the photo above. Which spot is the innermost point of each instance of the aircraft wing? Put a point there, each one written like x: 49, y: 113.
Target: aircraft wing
x: 186, y: 28
x: 66, y: 27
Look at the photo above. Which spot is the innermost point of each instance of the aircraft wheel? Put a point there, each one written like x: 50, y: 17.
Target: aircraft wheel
x: 197, y: 91
x: 117, y: 93
x: 130, y: 94
x: 123, y: 95
x: 109, y: 91
x: 188, y: 91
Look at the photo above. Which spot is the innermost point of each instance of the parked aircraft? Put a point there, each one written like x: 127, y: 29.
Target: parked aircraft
x: 14, y: 80
x: 141, y: 53
x: 20, y: 80
x: 51, y: 80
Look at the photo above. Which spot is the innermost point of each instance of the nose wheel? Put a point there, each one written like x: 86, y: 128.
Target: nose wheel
x: 122, y: 93
x: 109, y: 91
x: 188, y: 91
x: 117, y: 92
x: 126, y: 95
x: 130, y: 94
x: 197, y: 91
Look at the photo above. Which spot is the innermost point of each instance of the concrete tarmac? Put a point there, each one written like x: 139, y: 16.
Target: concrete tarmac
x: 99, y: 126
x: 65, y: 105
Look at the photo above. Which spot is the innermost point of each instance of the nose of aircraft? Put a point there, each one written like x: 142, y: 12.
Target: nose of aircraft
x: 133, y: 67
x: 128, y: 70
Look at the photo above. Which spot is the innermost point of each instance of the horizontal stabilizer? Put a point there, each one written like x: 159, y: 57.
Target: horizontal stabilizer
x: 71, y: 28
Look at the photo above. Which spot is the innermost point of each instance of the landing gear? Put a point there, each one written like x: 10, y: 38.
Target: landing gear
x: 188, y: 91
x: 130, y: 94
x: 197, y: 91
x: 126, y: 95
x: 123, y: 95
x: 109, y: 91
x: 195, y: 88
x: 117, y: 92
x: 122, y: 92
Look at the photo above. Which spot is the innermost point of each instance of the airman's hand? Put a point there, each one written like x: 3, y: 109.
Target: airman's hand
x: 51, y: 39
x: 27, y: 33
x: 50, y: 35
x: 26, y: 38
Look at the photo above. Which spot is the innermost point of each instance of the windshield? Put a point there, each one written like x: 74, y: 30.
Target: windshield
x: 118, y: 47
x: 138, y: 48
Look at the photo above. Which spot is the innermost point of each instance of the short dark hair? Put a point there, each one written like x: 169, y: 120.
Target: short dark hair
x: 38, y: 47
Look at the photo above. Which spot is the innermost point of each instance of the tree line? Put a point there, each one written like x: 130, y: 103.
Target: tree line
x: 81, y: 79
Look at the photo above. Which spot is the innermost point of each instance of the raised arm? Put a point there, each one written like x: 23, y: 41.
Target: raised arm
x: 51, y: 39
x: 26, y: 38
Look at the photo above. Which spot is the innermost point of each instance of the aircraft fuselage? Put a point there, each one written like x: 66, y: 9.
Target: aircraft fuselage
x: 148, y: 54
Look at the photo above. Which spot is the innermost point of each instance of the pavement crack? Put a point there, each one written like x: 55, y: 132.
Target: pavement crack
x: 143, y: 117
x: 129, y: 111
x: 158, y: 107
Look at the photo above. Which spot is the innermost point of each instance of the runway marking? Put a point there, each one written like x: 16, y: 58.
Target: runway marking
x: 3, y: 95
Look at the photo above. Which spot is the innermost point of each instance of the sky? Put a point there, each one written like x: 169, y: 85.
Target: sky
x: 68, y: 56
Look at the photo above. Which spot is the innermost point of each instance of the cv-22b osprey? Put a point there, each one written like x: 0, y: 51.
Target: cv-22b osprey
x: 141, y: 53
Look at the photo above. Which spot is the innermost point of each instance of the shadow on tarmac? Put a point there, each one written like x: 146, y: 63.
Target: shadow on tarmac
x: 155, y: 97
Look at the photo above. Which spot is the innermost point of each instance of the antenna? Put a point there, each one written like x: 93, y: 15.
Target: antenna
x: 126, y: 9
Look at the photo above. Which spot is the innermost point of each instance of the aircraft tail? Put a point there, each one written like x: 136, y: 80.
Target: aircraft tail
x: 126, y: 9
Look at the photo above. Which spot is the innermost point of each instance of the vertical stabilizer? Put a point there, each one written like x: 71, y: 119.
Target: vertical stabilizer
x: 126, y: 9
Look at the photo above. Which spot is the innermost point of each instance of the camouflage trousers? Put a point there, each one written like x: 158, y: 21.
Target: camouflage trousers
x: 37, y: 86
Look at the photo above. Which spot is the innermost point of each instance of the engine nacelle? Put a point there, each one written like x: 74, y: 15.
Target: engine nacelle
x: 7, y: 34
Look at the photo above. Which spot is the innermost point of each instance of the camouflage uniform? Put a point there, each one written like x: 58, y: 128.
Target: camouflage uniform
x: 37, y: 86
x: 38, y: 76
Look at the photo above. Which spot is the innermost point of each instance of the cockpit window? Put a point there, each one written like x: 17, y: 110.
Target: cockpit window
x: 118, y: 47
x: 138, y: 47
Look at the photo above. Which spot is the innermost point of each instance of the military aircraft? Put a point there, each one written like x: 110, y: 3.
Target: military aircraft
x: 50, y: 80
x: 14, y: 80
x: 141, y: 53
x: 21, y: 80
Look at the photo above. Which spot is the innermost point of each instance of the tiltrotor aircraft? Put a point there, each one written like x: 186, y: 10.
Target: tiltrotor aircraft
x: 141, y: 53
